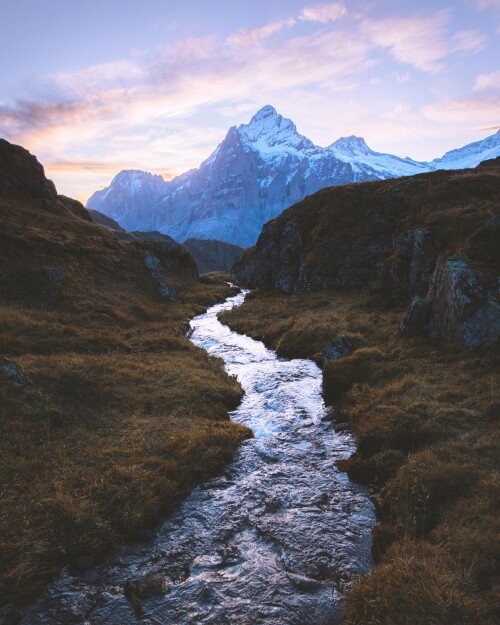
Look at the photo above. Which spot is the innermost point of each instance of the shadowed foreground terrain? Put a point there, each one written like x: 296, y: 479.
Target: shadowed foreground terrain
x: 109, y: 415
x: 426, y: 424
x: 392, y: 290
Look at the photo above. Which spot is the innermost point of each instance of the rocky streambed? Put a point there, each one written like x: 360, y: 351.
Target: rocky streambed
x: 276, y: 539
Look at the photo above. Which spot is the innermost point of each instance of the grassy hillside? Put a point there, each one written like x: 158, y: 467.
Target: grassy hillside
x: 403, y: 276
x: 426, y: 424
x: 109, y: 415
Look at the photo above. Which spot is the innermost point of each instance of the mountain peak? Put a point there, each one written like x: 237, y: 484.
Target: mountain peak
x: 269, y: 130
x: 351, y: 145
x: 267, y: 112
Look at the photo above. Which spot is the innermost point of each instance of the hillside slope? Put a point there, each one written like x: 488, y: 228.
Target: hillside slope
x: 109, y: 414
x: 430, y: 237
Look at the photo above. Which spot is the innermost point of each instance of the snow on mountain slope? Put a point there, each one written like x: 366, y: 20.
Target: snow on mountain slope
x: 129, y: 198
x: 470, y: 155
x: 354, y: 150
x: 257, y: 171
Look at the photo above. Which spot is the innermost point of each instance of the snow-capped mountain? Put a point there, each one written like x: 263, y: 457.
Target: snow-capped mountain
x: 258, y: 170
x: 470, y: 155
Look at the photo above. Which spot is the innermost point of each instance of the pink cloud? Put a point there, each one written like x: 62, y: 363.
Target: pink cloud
x: 468, y: 41
x: 487, y: 4
x: 323, y: 13
x: 469, y: 112
x: 488, y: 81
x: 417, y: 41
x: 253, y: 36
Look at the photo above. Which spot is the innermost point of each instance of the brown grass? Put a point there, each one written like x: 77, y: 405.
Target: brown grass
x: 426, y: 423
x: 121, y: 415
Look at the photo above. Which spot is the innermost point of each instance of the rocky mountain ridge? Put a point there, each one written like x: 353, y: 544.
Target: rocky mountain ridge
x: 257, y: 171
x: 209, y: 255
x: 428, y: 240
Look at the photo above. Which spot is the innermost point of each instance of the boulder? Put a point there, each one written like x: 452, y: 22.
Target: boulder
x: 151, y: 585
x: 11, y: 370
x: 54, y: 274
x: 338, y: 347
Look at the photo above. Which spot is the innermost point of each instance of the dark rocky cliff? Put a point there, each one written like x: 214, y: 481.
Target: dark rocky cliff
x: 428, y: 240
x: 213, y: 255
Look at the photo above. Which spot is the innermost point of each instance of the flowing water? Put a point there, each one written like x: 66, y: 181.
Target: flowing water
x: 276, y: 539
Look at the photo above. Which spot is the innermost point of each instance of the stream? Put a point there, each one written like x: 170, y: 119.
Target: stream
x: 274, y: 540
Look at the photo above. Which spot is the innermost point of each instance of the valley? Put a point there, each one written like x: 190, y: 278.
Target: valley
x: 114, y: 411
x: 250, y: 313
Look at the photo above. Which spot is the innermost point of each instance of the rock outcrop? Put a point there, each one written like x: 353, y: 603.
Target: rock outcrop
x: 339, y: 347
x: 11, y: 370
x: 22, y: 177
x: 463, y: 312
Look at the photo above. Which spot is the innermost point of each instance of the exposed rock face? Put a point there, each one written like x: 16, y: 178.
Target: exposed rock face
x: 258, y: 170
x: 211, y: 255
x: 463, y: 313
x: 396, y: 235
x: 154, y: 266
x: 416, y: 254
x: 114, y: 227
x: 175, y: 257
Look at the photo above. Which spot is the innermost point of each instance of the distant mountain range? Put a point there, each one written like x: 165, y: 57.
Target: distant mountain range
x: 257, y: 171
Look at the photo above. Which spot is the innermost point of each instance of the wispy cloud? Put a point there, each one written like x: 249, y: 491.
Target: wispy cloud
x: 472, y: 112
x: 323, y: 13
x: 253, y: 36
x: 148, y: 120
x: 468, y: 41
x: 423, y: 42
x: 488, y: 4
x: 488, y: 81
x: 417, y: 41
x: 165, y: 109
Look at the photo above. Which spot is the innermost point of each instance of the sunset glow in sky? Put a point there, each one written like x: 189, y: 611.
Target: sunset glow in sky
x: 95, y: 86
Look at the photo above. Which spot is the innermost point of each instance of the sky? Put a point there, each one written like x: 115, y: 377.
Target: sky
x: 92, y: 87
